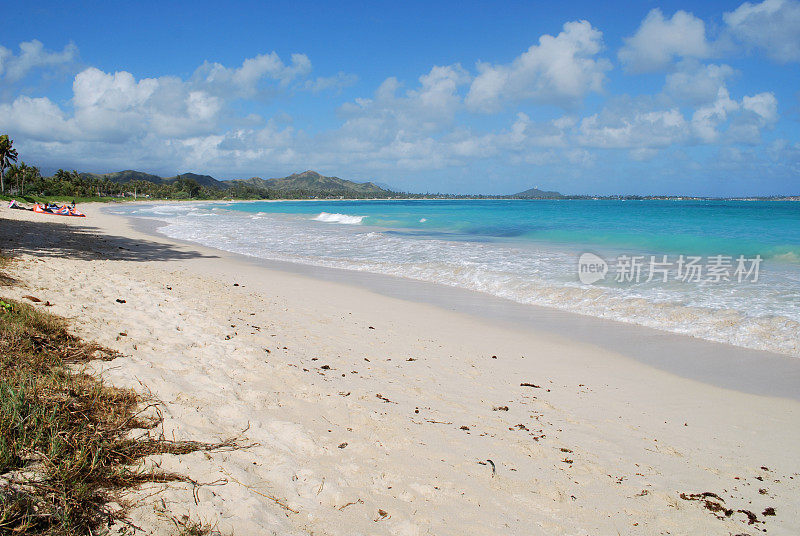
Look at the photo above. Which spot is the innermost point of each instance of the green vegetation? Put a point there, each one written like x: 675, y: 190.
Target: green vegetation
x: 535, y: 193
x: 65, y: 426
x: 7, y: 155
x: 69, y: 185
x: 66, y: 449
x: 311, y: 183
x: 29, y: 184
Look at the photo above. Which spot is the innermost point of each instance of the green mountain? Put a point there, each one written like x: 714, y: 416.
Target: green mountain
x: 253, y: 182
x: 130, y: 175
x: 535, y: 193
x: 306, y: 184
x: 297, y: 185
x: 312, y: 183
x: 203, y: 180
x: 125, y: 176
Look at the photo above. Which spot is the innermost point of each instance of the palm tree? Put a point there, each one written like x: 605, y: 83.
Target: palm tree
x: 7, y: 155
x: 22, y: 173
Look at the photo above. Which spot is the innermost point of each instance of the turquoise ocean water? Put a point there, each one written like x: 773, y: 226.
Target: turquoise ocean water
x: 528, y: 251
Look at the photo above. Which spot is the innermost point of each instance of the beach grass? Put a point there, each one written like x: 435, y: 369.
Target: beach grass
x: 62, y: 432
x: 66, y: 448
x: 190, y: 527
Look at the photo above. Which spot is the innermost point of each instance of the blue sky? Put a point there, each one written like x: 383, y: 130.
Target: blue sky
x: 627, y: 97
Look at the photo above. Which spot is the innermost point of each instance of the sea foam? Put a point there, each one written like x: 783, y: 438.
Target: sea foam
x: 338, y: 218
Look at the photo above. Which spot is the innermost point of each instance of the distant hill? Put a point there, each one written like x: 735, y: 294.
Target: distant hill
x: 254, y: 182
x: 203, y: 180
x: 297, y: 185
x: 313, y: 183
x: 125, y: 176
x: 306, y: 184
x: 130, y: 175
x: 535, y: 193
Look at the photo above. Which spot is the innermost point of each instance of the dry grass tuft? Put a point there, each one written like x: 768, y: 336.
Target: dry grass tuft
x: 66, y: 447
x: 190, y: 527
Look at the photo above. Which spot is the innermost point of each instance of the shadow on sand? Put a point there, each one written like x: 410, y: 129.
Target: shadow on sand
x: 61, y: 240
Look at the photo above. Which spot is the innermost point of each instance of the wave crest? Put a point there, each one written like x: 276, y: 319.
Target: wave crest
x: 347, y: 219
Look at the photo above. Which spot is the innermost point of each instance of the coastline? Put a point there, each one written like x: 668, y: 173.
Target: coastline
x: 723, y: 365
x: 197, y: 323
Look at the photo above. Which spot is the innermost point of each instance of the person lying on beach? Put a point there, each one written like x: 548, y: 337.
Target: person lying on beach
x: 14, y: 204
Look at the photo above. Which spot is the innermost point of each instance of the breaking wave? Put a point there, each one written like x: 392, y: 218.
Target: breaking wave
x: 339, y: 218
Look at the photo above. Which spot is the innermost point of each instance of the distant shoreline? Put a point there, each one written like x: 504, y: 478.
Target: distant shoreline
x: 308, y: 185
x: 215, y: 200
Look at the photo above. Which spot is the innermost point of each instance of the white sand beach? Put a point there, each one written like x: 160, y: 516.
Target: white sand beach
x: 368, y: 414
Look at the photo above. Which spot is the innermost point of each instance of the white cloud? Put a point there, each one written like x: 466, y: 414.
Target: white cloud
x: 488, y: 88
x: 202, y: 106
x: 772, y: 26
x: 658, y: 41
x: 438, y: 92
x: 120, y: 91
x: 707, y: 119
x: 245, y: 81
x: 336, y: 82
x: 118, y: 107
x: 35, y: 118
x: 746, y: 118
x: 764, y: 105
x: 118, y: 120
x: 428, y: 108
x: 758, y: 112
x: 524, y: 133
x: 644, y: 123
x: 629, y: 128
x: 410, y: 128
x: 32, y: 55
x: 695, y: 84
x: 559, y: 70
x: 268, y: 138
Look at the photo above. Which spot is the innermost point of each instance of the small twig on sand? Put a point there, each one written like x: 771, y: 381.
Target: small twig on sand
x: 279, y: 502
x: 494, y: 469
x: 359, y: 501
